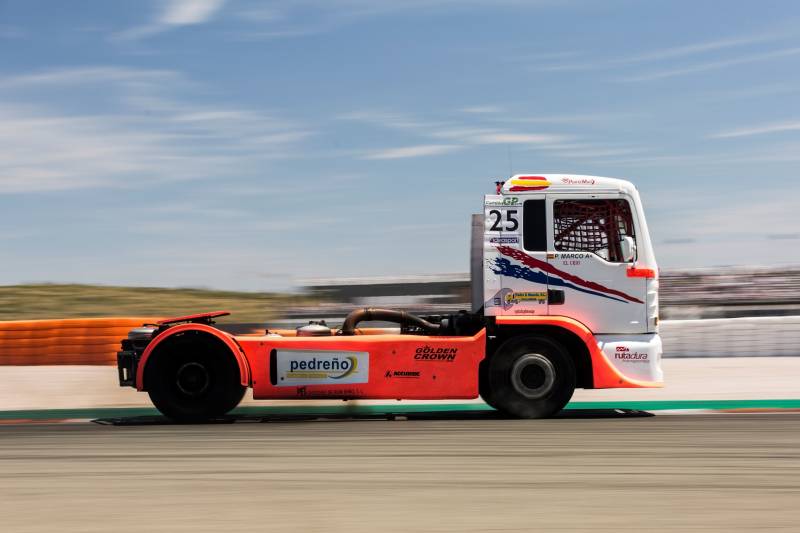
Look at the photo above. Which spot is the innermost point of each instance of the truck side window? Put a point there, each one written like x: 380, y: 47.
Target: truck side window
x: 534, y: 226
x: 596, y: 226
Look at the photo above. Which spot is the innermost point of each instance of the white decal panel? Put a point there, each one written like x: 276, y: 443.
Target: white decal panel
x: 635, y: 356
x: 503, y: 293
x: 318, y: 367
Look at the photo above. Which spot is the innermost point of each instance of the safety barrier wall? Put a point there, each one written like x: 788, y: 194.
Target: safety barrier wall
x: 775, y: 336
x: 80, y: 341
x: 95, y: 341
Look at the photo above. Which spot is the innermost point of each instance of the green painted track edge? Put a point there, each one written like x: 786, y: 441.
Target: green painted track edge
x: 362, y: 410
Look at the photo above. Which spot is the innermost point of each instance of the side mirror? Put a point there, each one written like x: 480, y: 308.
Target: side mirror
x: 628, y: 246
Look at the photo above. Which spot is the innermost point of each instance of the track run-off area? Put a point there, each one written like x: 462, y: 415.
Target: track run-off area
x: 599, y: 470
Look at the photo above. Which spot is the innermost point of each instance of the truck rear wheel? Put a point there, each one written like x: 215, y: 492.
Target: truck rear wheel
x: 190, y: 380
x: 531, y: 377
x: 484, y: 388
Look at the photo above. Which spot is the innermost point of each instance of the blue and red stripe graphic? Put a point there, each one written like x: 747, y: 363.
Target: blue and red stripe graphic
x: 547, y: 273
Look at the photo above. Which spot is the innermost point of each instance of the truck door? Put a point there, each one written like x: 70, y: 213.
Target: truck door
x: 515, y: 236
x: 593, y: 243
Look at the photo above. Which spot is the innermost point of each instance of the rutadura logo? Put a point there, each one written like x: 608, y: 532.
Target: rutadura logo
x: 528, y: 183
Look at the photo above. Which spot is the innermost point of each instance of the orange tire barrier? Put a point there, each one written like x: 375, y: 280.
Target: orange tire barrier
x: 75, y: 341
x: 55, y: 338
x: 21, y: 334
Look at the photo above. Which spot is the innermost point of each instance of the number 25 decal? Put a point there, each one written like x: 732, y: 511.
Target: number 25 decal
x: 511, y: 222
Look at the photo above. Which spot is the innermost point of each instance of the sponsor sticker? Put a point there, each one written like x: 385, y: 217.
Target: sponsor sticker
x: 428, y: 353
x: 623, y: 353
x: 517, y: 297
x: 506, y: 298
x: 500, y: 202
x: 296, y: 368
x: 504, y: 240
x: 408, y: 374
x: 351, y: 392
x: 577, y: 181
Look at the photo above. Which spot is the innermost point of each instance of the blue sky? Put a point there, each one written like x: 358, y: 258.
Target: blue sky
x: 250, y: 145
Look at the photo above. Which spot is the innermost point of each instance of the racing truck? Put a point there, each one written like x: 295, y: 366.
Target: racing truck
x: 564, y: 289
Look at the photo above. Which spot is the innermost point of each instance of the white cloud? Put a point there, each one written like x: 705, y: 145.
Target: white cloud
x: 455, y: 132
x: 391, y: 120
x: 174, y: 14
x: 482, y: 109
x: 306, y: 17
x: 188, y: 12
x: 483, y: 136
x: 86, y: 75
x: 459, y: 134
x: 748, y: 92
x: 577, y: 118
x: 763, y: 129
x: 698, y: 48
x: 144, y: 135
x: 662, y: 54
x: 678, y: 52
x: 712, y: 65
x: 590, y: 150
x: 673, y: 160
x: 412, y: 151
x: 784, y: 153
x: 551, y: 55
x: 517, y: 138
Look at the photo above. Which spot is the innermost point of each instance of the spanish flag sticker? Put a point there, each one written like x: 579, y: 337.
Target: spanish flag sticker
x: 528, y: 183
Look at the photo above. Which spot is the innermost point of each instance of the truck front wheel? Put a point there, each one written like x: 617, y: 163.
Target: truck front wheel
x: 531, y: 377
x: 190, y: 380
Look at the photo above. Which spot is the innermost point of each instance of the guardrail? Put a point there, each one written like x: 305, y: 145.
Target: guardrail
x: 95, y: 341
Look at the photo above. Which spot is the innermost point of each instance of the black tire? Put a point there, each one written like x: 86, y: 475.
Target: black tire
x: 483, y: 385
x: 193, y: 378
x: 531, y: 377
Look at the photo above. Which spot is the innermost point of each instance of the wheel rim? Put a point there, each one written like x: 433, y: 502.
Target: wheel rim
x: 533, y: 376
x: 192, y: 379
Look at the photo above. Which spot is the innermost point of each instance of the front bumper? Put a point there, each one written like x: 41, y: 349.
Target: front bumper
x: 127, y: 364
x: 636, y: 357
x: 131, y: 353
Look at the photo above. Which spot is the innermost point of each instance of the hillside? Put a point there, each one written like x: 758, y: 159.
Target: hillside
x: 40, y: 301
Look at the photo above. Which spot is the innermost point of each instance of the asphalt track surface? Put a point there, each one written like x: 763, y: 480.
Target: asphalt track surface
x: 598, y: 472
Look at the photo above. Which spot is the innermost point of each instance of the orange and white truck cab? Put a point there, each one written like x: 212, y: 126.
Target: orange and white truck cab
x: 565, y: 295
x: 577, y: 247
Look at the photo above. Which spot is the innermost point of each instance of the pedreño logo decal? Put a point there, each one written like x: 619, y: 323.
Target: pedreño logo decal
x: 323, y: 368
x: 316, y: 367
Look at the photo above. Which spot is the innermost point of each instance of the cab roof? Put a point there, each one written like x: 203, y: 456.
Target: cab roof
x: 521, y: 183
